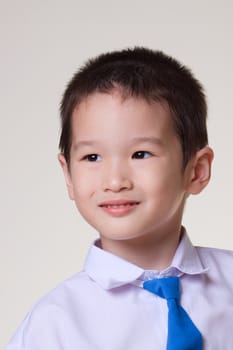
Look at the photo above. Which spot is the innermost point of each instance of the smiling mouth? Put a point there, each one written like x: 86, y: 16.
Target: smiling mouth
x: 119, y: 207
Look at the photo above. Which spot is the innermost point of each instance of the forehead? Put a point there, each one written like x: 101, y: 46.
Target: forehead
x: 119, y: 106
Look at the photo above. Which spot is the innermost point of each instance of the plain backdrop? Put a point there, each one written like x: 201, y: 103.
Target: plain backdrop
x: 43, y: 239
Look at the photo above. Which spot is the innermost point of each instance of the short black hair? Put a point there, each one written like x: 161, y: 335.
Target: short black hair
x: 148, y: 74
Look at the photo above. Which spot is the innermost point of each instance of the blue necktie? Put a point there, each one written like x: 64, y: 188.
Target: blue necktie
x: 182, y: 333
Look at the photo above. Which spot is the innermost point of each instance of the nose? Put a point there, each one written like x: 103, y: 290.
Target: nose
x: 117, y: 178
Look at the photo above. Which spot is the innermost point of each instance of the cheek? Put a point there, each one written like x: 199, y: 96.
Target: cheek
x: 153, y: 178
x: 83, y: 186
x: 161, y: 183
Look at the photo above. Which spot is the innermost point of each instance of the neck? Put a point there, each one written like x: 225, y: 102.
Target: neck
x: 150, y: 252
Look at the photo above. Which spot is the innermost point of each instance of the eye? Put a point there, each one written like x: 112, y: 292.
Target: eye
x: 92, y: 157
x: 141, y: 155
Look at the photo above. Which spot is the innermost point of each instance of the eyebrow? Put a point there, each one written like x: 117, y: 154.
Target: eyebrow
x: 148, y: 139
x: 85, y: 143
x: 134, y: 141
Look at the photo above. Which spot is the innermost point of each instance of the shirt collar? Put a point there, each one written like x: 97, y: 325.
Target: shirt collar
x: 111, y: 271
x: 187, y: 259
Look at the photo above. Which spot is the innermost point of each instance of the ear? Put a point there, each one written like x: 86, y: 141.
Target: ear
x: 67, y: 174
x: 200, y: 171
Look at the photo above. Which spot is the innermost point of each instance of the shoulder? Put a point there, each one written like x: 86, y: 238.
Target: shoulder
x: 219, y: 263
x: 48, y: 317
x: 215, y: 255
x: 65, y: 296
x: 65, y: 293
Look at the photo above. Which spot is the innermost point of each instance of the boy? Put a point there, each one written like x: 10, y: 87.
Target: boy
x: 133, y: 147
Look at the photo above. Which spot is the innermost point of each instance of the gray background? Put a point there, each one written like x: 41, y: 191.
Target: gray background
x: 43, y: 240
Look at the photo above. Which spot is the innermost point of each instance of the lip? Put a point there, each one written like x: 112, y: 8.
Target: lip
x: 119, y: 207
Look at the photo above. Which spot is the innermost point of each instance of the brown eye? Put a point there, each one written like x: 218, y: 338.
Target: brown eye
x: 141, y: 155
x: 92, y: 157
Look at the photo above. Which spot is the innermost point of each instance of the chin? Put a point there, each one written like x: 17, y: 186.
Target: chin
x: 116, y: 236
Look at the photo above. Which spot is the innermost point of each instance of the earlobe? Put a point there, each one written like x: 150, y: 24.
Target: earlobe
x: 200, y: 170
x: 67, y: 175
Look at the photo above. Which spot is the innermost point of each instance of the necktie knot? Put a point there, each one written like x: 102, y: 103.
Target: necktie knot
x: 167, y: 287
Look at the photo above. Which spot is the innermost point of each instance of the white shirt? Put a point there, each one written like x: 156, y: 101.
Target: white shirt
x: 104, y: 308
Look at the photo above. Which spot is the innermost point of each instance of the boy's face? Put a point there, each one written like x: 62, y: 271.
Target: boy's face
x: 125, y: 172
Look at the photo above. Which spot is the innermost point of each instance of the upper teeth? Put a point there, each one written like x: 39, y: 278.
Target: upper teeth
x: 118, y: 205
